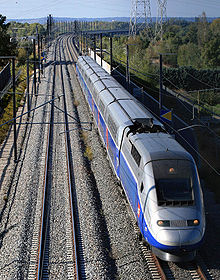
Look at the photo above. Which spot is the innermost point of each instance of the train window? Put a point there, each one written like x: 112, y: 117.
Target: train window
x: 112, y: 127
x: 111, y: 153
x: 175, y: 181
x: 87, y: 80
x: 101, y: 107
x: 178, y: 189
x: 94, y: 93
x: 135, y: 154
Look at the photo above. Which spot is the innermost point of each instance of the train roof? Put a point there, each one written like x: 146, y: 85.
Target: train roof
x: 88, y: 62
x: 158, y: 146
x: 117, y: 106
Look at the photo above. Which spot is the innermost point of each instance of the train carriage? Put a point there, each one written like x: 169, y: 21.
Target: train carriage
x: 158, y: 175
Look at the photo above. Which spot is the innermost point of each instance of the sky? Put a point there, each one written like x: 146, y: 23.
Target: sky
x: 102, y: 8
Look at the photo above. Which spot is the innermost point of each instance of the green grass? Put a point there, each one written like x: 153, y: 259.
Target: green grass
x: 215, y: 109
x: 88, y: 150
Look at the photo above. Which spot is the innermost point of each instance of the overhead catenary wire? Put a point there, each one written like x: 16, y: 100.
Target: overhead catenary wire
x: 197, y: 79
x: 199, y: 120
x: 157, y: 75
x: 201, y: 104
x: 150, y: 74
x: 199, y: 154
x: 176, y: 97
x: 17, y: 117
x: 121, y: 62
x: 179, y: 100
x: 182, y: 103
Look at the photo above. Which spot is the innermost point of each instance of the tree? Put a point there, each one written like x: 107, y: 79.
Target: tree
x: 191, y: 34
x: 7, y: 48
x: 211, y: 50
x: 211, y: 53
x: 189, y: 55
x: 215, y: 27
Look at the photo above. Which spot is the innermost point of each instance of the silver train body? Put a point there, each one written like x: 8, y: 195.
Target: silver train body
x: 159, y: 176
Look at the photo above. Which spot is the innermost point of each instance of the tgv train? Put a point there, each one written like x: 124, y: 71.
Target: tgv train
x: 158, y: 175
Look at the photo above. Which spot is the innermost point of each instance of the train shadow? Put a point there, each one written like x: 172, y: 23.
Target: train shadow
x: 101, y: 224
x: 52, y: 62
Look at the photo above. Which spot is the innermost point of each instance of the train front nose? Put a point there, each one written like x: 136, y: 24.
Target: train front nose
x: 179, y: 238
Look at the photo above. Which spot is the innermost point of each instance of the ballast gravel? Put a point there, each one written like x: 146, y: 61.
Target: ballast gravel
x: 18, y: 212
x: 108, y: 243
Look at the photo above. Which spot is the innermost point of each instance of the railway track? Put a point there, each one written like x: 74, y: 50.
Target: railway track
x: 167, y: 271
x: 43, y: 242
x: 44, y: 228
x: 70, y: 173
x: 162, y: 270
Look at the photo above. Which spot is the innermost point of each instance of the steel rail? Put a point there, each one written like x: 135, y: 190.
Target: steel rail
x: 44, y: 216
x: 69, y: 170
x: 73, y: 55
x: 201, y: 273
x: 199, y: 270
x: 159, y: 267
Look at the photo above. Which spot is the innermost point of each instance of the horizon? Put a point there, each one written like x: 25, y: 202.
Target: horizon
x: 126, y: 19
x: 29, y: 9
x: 104, y: 17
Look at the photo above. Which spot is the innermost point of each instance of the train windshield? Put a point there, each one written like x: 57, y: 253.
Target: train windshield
x: 174, y: 180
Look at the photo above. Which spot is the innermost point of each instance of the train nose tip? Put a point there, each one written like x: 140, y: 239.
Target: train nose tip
x: 179, y: 237
x: 189, y: 237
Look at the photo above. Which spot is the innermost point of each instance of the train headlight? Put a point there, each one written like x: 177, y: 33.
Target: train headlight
x: 163, y: 223
x: 192, y: 223
x: 172, y: 170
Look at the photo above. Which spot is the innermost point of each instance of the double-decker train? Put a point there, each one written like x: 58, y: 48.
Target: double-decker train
x: 158, y: 175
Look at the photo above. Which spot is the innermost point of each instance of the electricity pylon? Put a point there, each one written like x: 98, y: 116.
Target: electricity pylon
x: 140, y: 17
x: 161, y: 18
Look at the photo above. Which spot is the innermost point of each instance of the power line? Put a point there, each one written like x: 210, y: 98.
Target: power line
x: 199, y: 154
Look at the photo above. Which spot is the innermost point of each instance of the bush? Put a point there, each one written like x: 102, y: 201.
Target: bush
x: 188, y: 78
